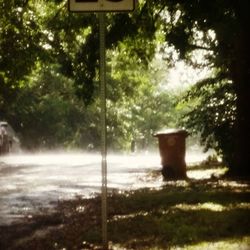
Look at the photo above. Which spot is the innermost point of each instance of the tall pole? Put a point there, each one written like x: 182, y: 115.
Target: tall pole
x: 103, y: 127
x: 92, y: 6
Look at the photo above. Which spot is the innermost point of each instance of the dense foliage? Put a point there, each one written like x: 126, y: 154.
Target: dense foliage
x: 218, y: 28
x: 211, y: 113
x: 56, y: 55
x: 42, y: 45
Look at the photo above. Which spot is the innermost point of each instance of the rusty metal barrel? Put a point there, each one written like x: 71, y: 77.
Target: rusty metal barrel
x: 172, y: 146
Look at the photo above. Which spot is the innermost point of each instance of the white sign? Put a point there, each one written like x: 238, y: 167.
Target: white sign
x: 101, y: 5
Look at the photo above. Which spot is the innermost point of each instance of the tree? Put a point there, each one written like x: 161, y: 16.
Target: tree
x: 45, y: 31
x: 19, y: 44
x: 76, y: 44
x: 187, y: 26
x: 210, y: 113
x: 46, y: 113
x: 54, y: 49
x: 136, y: 105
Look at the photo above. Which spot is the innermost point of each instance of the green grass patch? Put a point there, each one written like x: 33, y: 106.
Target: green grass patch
x: 207, y: 214
x: 179, y: 216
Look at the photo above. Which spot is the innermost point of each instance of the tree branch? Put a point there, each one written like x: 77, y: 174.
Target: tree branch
x: 193, y: 46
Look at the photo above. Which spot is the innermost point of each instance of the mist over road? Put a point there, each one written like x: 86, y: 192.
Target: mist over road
x: 32, y: 182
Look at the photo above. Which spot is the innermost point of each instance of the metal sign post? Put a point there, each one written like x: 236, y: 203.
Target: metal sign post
x: 102, y: 6
x: 104, y: 127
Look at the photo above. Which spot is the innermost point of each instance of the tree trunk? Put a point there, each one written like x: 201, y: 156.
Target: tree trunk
x: 241, y: 164
x: 241, y: 78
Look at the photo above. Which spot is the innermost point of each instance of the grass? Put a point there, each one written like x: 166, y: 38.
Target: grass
x: 192, y: 215
x: 179, y: 216
x: 233, y: 244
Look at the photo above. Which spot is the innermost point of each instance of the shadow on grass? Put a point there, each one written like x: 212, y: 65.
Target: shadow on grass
x: 177, y: 227
x: 179, y: 214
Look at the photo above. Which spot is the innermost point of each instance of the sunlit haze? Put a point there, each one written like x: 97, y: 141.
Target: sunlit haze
x: 29, y: 181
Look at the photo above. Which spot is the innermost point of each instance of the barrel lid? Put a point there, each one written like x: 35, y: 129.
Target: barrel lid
x: 171, y: 131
